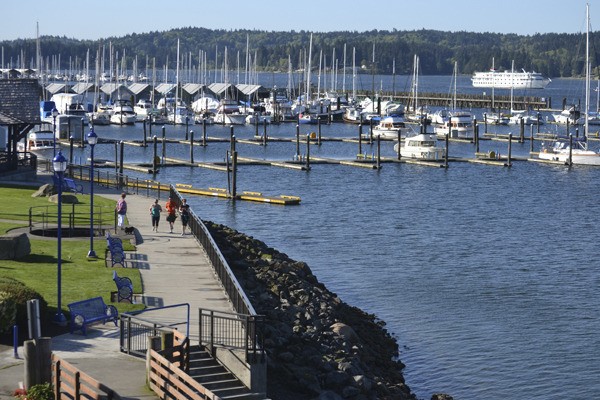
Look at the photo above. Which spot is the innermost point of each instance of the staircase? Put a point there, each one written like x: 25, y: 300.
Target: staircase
x: 207, y: 371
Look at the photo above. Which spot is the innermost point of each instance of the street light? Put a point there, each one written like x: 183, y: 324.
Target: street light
x: 59, y: 164
x: 92, y: 139
x: 54, y: 115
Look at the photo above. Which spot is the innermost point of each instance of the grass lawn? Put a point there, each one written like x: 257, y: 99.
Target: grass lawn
x: 80, y: 278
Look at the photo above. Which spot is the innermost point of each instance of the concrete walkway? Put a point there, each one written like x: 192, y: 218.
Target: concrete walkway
x: 174, y: 270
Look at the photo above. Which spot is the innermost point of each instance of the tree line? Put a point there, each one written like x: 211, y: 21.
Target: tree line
x: 378, y: 51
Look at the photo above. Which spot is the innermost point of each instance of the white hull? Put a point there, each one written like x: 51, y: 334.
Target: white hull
x: 421, y: 147
x: 122, y: 119
x: 230, y: 119
x: 508, y: 80
x: 579, y: 157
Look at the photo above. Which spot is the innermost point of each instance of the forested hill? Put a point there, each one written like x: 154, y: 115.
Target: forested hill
x: 553, y: 54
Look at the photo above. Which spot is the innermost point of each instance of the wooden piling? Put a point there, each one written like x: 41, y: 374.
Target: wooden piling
x: 509, y: 149
x: 234, y: 174
x: 446, y: 153
x: 378, y: 152
x: 192, y: 147
x: 308, y: 152
x: 522, y: 130
x: 155, y: 154
x: 298, y: 140
x: 144, y: 138
x: 360, y: 136
x: 203, y: 131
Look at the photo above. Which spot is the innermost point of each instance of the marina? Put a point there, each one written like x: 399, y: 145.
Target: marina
x: 473, y: 284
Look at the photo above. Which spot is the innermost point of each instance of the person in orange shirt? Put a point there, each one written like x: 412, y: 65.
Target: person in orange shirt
x: 171, y: 212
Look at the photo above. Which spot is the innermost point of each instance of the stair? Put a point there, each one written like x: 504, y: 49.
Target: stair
x: 207, y: 371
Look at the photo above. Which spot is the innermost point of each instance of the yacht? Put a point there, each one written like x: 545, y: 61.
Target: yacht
x: 389, y: 127
x: 560, y: 150
x: 122, y: 113
x: 142, y: 109
x: 36, y: 141
x: 423, y: 146
x: 508, y: 79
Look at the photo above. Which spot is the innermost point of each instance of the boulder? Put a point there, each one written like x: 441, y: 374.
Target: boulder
x: 14, y: 246
x: 44, y: 191
x: 345, y: 331
x: 66, y: 198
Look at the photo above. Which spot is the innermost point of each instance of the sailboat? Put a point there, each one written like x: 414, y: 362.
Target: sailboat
x: 575, y: 150
x: 414, y: 112
x: 455, y: 121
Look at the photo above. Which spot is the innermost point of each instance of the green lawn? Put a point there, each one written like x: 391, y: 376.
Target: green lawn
x: 81, y: 278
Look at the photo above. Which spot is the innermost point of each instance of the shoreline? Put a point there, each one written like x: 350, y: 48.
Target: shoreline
x: 315, y: 342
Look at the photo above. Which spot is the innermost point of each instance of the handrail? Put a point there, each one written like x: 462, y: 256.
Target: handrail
x: 234, y: 291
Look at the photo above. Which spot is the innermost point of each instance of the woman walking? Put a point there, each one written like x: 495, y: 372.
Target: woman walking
x: 184, y: 211
x: 155, y: 210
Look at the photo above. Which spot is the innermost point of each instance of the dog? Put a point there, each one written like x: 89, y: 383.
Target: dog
x: 129, y: 230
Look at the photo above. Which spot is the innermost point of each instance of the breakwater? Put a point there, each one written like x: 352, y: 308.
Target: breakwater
x: 316, y: 343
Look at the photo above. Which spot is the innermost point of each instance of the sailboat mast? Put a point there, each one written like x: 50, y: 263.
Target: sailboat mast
x: 587, y: 70
x: 308, y: 69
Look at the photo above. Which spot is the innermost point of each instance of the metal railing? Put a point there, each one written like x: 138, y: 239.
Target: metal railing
x: 12, y: 161
x: 135, y: 330
x: 45, y: 218
x: 240, y: 301
x: 234, y: 331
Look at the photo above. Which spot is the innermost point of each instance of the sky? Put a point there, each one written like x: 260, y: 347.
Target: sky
x: 110, y: 18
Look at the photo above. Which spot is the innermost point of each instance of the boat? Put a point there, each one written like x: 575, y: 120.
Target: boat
x: 306, y: 118
x: 529, y: 118
x: 122, y: 113
x: 575, y: 150
x: 142, y: 109
x: 423, y: 146
x: 560, y: 150
x: 454, y: 121
x: 389, y: 127
x: 37, y: 140
x: 570, y: 115
x: 497, y: 118
x: 510, y: 79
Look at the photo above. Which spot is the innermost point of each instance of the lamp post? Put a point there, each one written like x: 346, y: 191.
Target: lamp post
x: 59, y: 164
x: 54, y: 115
x: 92, y: 139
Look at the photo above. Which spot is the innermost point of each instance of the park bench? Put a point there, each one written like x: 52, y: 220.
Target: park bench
x: 124, y: 288
x: 71, y: 186
x: 114, y: 251
x: 87, y: 312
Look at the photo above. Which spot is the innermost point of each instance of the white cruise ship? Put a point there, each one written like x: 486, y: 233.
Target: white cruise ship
x: 508, y: 79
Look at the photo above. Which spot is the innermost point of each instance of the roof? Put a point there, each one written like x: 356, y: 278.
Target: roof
x: 219, y: 88
x: 251, y: 89
x: 113, y: 87
x: 194, y: 88
x: 137, y: 88
x: 164, y: 88
x: 20, y: 100
x: 82, y: 87
x: 53, y: 88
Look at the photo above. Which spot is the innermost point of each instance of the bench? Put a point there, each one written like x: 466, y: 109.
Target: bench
x: 71, y: 186
x: 114, y: 249
x: 124, y: 288
x: 87, y: 312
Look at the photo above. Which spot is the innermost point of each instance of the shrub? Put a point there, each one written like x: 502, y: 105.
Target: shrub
x: 16, y: 293
x: 42, y: 391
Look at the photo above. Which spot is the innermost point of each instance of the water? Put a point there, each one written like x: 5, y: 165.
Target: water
x: 487, y: 276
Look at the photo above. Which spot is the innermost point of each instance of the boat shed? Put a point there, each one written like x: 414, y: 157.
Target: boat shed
x: 19, y: 113
x: 82, y: 87
x: 193, y: 91
x: 53, y: 88
x: 253, y: 92
x: 141, y: 91
x: 114, y: 90
x: 165, y: 88
x: 226, y: 91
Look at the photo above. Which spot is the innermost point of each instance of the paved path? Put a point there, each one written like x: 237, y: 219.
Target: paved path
x: 174, y: 270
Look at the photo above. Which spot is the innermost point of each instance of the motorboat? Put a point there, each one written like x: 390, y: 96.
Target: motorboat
x: 496, y: 118
x: 570, y: 115
x: 456, y: 126
x: 123, y: 113
x: 423, y: 146
x: 37, y: 140
x: 389, y: 127
x: 229, y: 113
x: 527, y: 117
x: 560, y: 150
x: 307, y: 119
x: 142, y: 109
